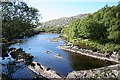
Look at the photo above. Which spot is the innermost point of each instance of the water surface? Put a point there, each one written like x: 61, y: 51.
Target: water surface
x: 37, y: 45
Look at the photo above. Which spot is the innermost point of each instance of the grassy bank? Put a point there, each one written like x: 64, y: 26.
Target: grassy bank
x: 111, y: 48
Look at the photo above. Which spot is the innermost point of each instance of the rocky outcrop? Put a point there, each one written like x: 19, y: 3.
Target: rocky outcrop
x: 104, y: 73
x: 48, y: 52
x: 58, y: 56
x: 44, y: 71
x: 62, y: 21
x: 20, y: 56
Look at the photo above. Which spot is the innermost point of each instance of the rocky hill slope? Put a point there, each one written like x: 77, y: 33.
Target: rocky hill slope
x: 62, y: 21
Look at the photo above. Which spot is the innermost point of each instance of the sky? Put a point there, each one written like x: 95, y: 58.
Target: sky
x: 53, y: 9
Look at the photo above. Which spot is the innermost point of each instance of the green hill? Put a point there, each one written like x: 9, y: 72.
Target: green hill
x: 56, y: 25
x: 99, y: 31
x: 62, y: 21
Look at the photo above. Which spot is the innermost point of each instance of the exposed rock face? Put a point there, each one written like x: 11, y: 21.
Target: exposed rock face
x: 44, y: 71
x: 107, y: 73
x: 62, y: 21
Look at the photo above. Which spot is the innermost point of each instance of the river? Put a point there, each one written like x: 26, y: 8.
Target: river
x: 37, y: 45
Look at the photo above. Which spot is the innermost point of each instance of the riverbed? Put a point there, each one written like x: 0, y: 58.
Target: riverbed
x: 39, y: 46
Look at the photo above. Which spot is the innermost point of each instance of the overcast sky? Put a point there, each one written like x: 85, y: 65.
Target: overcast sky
x: 53, y: 9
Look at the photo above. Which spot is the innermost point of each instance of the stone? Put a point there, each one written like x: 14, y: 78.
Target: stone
x: 48, y: 52
x: 45, y: 72
x: 58, y: 56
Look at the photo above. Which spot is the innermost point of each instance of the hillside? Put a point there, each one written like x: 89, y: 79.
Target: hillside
x: 62, y: 21
x: 99, y: 31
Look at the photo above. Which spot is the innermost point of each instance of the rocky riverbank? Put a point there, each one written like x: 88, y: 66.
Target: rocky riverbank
x: 6, y: 44
x: 44, y: 71
x: 104, y: 73
x: 90, y: 53
x: 20, y: 56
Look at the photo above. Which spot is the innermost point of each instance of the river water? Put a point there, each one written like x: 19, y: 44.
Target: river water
x: 37, y: 45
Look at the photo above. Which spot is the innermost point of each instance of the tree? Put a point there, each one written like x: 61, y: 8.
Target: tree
x: 114, y: 33
x: 92, y: 29
x: 18, y: 20
x: 119, y: 3
x: 102, y: 26
x: 74, y: 27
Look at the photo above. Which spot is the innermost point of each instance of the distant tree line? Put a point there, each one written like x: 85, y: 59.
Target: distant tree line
x: 49, y: 29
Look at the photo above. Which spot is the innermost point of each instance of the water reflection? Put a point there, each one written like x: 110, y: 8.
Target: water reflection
x: 80, y: 62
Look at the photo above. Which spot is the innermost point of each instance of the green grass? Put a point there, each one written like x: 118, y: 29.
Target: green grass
x: 95, y: 46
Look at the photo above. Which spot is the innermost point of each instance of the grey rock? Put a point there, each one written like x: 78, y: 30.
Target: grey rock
x: 62, y: 21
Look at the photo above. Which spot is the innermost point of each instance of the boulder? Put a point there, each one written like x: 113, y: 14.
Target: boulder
x: 58, y: 56
x: 44, y: 71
